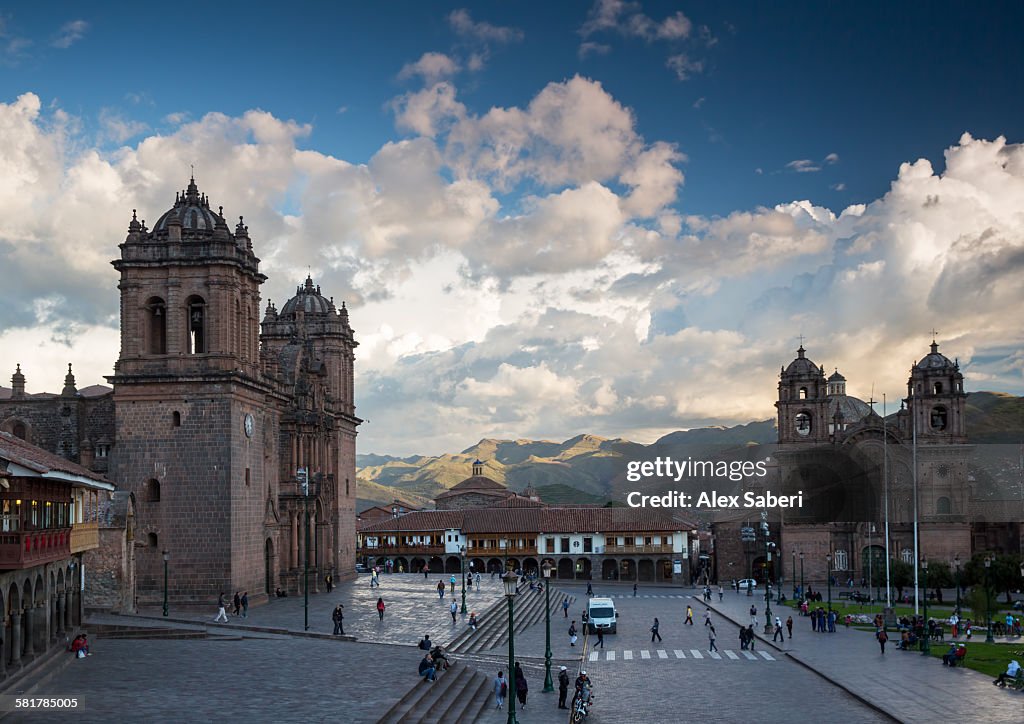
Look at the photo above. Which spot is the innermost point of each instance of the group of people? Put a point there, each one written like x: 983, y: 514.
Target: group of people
x: 80, y: 646
x: 435, y: 659
x: 240, y: 606
x: 823, y: 621
x: 522, y: 689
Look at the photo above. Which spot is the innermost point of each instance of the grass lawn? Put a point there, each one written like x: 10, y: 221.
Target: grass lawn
x: 870, y: 609
x: 990, y: 659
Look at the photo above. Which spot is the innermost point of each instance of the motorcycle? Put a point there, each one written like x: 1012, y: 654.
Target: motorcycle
x: 581, y: 708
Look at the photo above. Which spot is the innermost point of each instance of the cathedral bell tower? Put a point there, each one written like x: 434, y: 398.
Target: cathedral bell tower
x: 195, y: 418
x: 936, y: 399
x: 803, y: 402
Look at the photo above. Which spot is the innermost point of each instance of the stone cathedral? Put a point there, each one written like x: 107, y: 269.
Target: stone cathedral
x: 213, y: 412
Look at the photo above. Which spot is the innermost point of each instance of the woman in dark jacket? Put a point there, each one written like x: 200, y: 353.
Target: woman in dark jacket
x: 521, y: 687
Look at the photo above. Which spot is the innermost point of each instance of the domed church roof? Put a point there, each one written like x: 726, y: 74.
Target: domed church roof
x: 935, y: 360
x: 801, y: 365
x: 309, y: 299
x: 192, y: 210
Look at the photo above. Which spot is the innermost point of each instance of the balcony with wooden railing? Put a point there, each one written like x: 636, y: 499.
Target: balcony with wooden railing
x: 85, y: 537
x: 402, y: 549
x: 617, y: 550
x: 24, y: 549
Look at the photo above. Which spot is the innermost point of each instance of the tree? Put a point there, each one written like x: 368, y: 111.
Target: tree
x: 939, y: 577
x: 980, y: 601
x: 1002, y: 575
x: 901, y: 574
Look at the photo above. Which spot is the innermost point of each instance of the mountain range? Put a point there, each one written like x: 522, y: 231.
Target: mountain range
x: 589, y: 469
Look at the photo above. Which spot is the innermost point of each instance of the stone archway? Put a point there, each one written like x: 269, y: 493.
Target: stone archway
x: 41, y: 615
x: 477, y: 565
x: 609, y: 569
x: 663, y: 569
x: 417, y: 564
x: 400, y: 565
x: 436, y: 564
x: 494, y: 565
x: 583, y: 569
x: 645, y: 570
x: 530, y: 566
x: 27, y: 629
x: 12, y: 619
x: 452, y: 565
x: 627, y: 569
x: 565, y: 568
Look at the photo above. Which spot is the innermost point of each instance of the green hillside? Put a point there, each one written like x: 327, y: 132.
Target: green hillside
x: 995, y: 417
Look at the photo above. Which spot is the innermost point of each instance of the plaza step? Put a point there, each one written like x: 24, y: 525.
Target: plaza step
x: 108, y: 631
x: 33, y: 674
x: 493, y: 630
x: 425, y: 696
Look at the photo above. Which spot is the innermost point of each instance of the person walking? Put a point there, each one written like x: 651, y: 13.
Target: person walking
x: 565, y: 608
x: 425, y: 572
x: 329, y: 581
x: 500, y: 690
x: 778, y: 631
x: 338, y: 617
x: 563, y: 687
x: 245, y: 604
x: 600, y: 637
x: 221, y: 609
x: 440, y: 590
x: 478, y: 581
x: 882, y: 637
x: 572, y: 633
x: 522, y: 688
x: 590, y: 589
x: 654, y: 631
x: 711, y: 639
x: 689, y: 616
x: 380, y: 608
x: 236, y: 603
x: 452, y: 579
x: 453, y: 609
x: 721, y: 593
x: 753, y: 615
x: 789, y: 626
x: 750, y: 637
x: 707, y: 616
x: 634, y: 590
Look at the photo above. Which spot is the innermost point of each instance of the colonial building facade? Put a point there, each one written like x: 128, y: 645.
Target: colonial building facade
x: 216, y: 417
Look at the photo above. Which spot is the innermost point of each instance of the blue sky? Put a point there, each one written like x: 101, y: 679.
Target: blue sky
x: 694, y: 181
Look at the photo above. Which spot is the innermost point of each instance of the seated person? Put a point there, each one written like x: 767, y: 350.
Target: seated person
x: 439, y: 658
x: 425, y: 643
x: 281, y: 594
x: 427, y: 668
x: 1011, y: 673
x: 904, y: 640
x: 472, y: 621
x: 949, y: 658
x: 80, y: 644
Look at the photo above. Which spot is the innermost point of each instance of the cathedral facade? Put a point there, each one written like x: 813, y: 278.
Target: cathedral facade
x: 231, y: 431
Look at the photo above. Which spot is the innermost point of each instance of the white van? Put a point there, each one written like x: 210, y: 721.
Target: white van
x: 602, y: 615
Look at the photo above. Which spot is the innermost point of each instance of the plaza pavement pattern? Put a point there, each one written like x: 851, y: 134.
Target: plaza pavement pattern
x: 238, y: 673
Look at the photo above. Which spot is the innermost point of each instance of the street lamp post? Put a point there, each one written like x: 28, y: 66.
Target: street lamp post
x: 989, y: 639
x: 167, y: 557
x: 926, y: 645
x: 793, y: 573
x: 303, y: 475
x: 956, y: 563
x: 828, y: 575
x: 462, y: 574
x: 509, y: 580
x: 767, y: 588
x: 548, y: 684
x: 803, y: 591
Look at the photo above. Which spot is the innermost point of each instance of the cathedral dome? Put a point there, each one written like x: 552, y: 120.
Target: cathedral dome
x: 836, y: 377
x: 851, y: 408
x: 309, y: 299
x: 192, y: 210
x: 801, y: 365
x: 935, y: 360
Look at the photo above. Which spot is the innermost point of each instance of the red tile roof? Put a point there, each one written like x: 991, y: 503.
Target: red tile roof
x: 422, y: 520
x: 35, y: 458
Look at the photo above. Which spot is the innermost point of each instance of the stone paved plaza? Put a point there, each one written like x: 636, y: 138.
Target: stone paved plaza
x: 286, y: 677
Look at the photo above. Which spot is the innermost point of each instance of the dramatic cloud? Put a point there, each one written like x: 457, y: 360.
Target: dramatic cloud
x: 528, y: 270
x: 432, y: 67
x: 70, y: 33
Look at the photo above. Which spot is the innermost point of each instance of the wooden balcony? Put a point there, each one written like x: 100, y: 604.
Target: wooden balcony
x: 614, y: 550
x: 24, y: 549
x: 397, y: 549
x: 85, y: 537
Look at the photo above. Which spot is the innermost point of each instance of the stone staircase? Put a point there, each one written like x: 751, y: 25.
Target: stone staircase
x: 112, y: 631
x: 460, y: 695
x: 493, y: 629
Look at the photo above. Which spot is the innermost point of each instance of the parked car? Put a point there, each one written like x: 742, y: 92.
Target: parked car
x: 747, y: 583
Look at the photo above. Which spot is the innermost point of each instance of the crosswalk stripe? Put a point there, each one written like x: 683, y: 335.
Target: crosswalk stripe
x: 662, y: 654
x: 731, y: 655
x: 696, y: 654
x: 715, y: 655
x: 679, y: 654
x: 645, y: 654
x: 593, y: 656
x: 749, y: 655
x: 766, y: 655
x: 627, y: 655
x: 610, y: 656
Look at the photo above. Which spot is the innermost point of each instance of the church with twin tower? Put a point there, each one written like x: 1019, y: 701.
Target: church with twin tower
x: 215, y: 411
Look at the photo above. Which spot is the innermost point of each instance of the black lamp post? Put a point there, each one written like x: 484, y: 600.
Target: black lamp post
x: 167, y: 557
x: 926, y: 645
x: 546, y: 570
x: 803, y: 591
x: 509, y: 580
x: 989, y: 639
x: 768, y: 587
x: 956, y: 563
x: 303, y: 475
x: 462, y: 574
x: 828, y: 575
x: 793, y: 573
